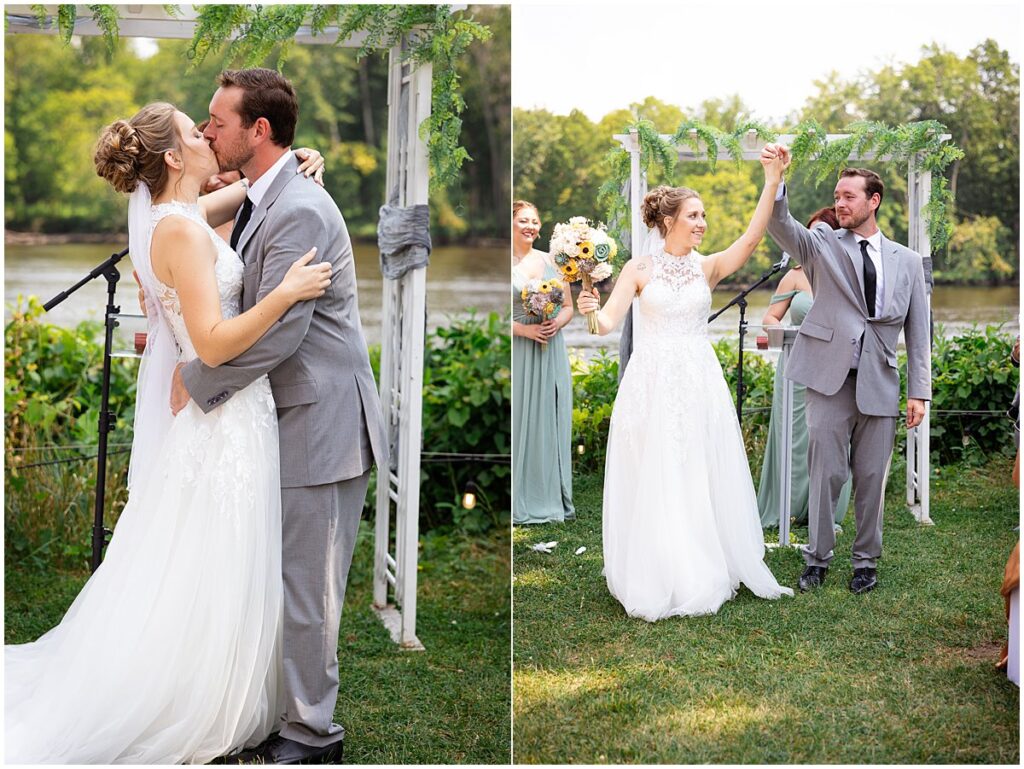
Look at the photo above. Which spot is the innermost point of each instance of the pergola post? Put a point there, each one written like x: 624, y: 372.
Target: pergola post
x: 919, y: 185
x: 401, y: 364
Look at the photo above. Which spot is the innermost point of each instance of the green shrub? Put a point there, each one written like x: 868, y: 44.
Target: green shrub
x: 52, y: 384
x: 970, y: 372
x: 467, y: 406
x: 52, y: 381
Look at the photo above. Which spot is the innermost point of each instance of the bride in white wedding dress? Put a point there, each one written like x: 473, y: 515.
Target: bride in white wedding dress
x: 170, y: 653
x: 681, y: 528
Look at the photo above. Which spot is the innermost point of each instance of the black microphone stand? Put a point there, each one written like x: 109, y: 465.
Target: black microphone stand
x: 741, y: 300
x: 108, y: 269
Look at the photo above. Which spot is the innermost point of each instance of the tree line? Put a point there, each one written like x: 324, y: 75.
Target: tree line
x: 560, y: 160
x: 57, y: 98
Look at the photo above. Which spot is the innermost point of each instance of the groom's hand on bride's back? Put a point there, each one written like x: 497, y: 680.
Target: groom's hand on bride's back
x: 179, y: 393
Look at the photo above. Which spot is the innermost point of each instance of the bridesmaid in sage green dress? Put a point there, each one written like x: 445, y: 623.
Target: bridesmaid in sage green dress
x: 794, y: 294
x: 541, y: 388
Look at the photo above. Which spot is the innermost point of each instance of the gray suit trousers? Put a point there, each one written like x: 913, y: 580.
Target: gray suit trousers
x: 318, y: 533
x: 836, y: 426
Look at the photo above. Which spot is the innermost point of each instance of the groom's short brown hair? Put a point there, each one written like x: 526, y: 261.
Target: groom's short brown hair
x: 266, y: 93
x: 872, y: 181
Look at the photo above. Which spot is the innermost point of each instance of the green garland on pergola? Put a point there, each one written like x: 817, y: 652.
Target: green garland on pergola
x: 902, y: 144
x: 251, y: 32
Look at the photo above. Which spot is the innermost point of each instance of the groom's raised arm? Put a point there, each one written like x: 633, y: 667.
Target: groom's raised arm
x: 294, y: 236
x: 793, y: 238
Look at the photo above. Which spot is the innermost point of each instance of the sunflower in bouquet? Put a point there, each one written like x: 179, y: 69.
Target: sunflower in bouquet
x: 583, y: 252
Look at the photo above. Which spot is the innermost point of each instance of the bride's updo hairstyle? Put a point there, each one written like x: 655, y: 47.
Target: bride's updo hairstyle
x: 664, y: 201
x: 132, y: 151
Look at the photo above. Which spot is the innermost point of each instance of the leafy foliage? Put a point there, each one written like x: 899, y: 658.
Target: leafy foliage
x: 918, y: 142
x: 467, y: 400
x: 52, y: 380
x: 427, y: 34
x: 58, y: 98
x: 970, y: 372
x: 436, y: 36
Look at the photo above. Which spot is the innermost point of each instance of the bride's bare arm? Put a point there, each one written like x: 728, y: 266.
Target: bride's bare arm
x: 183, y: 257
x: 723, y: 264
x: 220, y: 206
x: 629, y: 283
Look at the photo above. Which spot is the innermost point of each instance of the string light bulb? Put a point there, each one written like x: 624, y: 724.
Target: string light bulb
x: 469, y: 496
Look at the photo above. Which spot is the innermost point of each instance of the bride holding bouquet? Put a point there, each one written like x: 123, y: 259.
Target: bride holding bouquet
x: 681, y: 529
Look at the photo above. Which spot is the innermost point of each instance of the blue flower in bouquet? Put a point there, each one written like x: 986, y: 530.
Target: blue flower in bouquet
x: 602, y: 251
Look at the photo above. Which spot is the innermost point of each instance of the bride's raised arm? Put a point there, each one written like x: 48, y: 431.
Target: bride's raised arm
x: 723, y: 264
x: 629, y: 283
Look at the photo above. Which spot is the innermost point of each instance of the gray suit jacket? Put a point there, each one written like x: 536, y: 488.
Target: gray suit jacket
x: 315, y: 354
x: 838, y: 320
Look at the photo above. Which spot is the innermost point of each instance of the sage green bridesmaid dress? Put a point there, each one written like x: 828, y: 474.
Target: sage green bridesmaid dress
x: 769, y: 497
x: 541, y: 421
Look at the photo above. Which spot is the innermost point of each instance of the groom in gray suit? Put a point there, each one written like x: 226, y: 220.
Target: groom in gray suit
x: 866, y: 289
x: 329, y: 417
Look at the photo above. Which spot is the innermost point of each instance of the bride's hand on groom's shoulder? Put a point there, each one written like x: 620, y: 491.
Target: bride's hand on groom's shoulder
x: 311, y: 163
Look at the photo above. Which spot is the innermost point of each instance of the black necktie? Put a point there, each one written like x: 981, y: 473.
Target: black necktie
x: 243, y: 219
x: 869, y: 279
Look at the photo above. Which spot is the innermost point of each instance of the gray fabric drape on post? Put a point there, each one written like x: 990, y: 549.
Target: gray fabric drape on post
x: 626, y: 338
x: 403, y: 237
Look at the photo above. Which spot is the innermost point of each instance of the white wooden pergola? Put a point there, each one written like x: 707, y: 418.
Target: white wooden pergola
x: 919, y: 193
x: 404, y: 301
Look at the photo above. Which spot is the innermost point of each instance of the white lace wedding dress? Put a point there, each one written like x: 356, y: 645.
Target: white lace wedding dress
x: 681, y: 526
x: 170, y: 653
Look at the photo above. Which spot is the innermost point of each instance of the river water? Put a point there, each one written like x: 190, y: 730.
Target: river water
x: 458, y: 278
x: 954, y: 308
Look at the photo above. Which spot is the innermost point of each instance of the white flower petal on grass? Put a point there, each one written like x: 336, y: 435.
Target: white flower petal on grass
x: 581, y: 550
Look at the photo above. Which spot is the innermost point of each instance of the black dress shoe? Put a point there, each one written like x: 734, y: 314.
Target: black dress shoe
x: 284, y: 751
x: 863, y: 580
x: 248, y: 756
x: 813, y: 576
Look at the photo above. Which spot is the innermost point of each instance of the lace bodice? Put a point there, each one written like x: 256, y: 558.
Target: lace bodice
x: 227, y: 268
x: 676, y: 301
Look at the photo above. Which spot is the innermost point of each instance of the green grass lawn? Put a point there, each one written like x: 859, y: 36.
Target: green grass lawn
x: 447, y: 705
x: 904, y: 674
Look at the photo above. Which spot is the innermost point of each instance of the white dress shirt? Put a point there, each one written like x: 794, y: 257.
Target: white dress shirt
x: 258, y: 188
x: 875, y: 253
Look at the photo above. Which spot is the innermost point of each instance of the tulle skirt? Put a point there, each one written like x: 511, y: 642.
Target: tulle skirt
x: 171, y: 652
x: 680, y: 524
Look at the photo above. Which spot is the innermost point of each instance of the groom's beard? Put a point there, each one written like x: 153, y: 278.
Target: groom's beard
x: 233, y: 158
x: 852, y: 222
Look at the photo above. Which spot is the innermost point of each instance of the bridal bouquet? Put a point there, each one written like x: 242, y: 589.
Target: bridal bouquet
x: 542, y: 299
x: 583, y: 252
